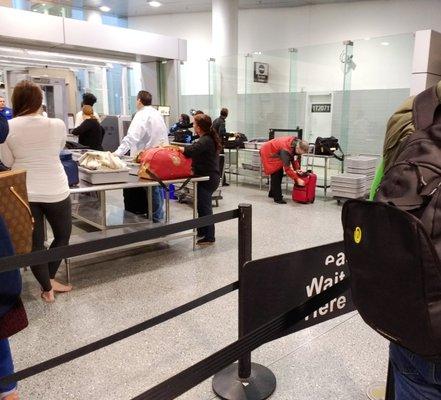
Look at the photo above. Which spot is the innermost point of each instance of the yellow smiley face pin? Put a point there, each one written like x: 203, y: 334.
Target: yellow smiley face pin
x: 357, y: 235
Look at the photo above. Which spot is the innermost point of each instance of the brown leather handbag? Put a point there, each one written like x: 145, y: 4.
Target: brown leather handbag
x: 15, y: 210
x: 14, y: 321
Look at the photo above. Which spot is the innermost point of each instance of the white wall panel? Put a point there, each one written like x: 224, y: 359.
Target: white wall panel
x: 115, y: 39
x: 26, y: 27
x: 29, y: 27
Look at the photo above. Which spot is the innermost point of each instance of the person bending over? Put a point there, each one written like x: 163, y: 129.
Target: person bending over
x: 34, y: 144
x: 90, y: 133
x: 279, y: 155
x: 205, y: 162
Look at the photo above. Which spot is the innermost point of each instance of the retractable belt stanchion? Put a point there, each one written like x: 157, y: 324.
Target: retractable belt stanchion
x: 244, y: 380
x: 390, y: 384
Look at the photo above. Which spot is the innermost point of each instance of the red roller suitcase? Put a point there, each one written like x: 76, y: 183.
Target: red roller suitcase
x: 305, y: 194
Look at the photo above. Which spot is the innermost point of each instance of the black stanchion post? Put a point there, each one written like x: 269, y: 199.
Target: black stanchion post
x: 244, y: 380
x: 245, y: 254
x: 390, y: 383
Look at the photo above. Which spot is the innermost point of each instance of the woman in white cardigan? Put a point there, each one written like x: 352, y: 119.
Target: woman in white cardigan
x: 34, y: 144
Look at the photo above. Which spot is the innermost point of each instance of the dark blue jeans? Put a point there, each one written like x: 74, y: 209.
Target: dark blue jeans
x: 6, y: 367
x: 158, y: 204
x: 415, y: 377
x: 205, y: 207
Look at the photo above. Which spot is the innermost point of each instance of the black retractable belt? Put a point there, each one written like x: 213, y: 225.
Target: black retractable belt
x: 93, y: 246
x: 192, y: 376
x: 99, y: 344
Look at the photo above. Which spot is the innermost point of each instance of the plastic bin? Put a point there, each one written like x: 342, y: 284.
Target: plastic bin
x: 171, y: 191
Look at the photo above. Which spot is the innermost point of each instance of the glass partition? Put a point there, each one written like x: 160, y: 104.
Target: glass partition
x: 114, y: 88
x: 96, y: 87
x: 348, y: 90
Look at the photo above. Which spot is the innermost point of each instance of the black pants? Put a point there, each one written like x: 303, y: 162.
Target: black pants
x: 276, y: 185
x: 221, y: 168
x: 59, y: 217
x: 205, y: 206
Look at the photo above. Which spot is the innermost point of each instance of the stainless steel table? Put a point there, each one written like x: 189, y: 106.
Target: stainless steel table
x: 108, y: 216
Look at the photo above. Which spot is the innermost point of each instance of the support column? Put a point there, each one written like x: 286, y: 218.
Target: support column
x: 426, y: 68
x: 93, y: 16
x: 149, y: 74
x: 225, y: 49
x: 173, y: 88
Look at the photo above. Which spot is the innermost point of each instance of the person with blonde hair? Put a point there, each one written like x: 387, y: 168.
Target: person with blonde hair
x: 90, y: 133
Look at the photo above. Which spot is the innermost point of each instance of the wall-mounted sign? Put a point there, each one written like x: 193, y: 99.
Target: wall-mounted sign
x: 321, y: 108
x: 164, y: 110
x: 261, y: 71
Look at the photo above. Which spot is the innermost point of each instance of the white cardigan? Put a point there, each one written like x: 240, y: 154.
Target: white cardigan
x: 34, y: 144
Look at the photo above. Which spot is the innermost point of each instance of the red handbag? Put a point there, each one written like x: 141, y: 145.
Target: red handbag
x: 164, y: 164
x: 14, y: 321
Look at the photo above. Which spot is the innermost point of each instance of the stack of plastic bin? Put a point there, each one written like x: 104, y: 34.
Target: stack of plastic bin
x: 362, y: 165
x: 348, y: 186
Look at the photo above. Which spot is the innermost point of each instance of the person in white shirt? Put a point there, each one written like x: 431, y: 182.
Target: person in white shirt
x: 34, y: 144
x: 147, y: 130
x: 89, y: 99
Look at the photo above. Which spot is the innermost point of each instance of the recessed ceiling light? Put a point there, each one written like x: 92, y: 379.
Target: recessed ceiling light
x: 105, y: 9
x: 385, y: 43
x: 155, y: 4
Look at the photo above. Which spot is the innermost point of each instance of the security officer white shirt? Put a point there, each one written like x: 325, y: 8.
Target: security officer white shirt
x: 147, y: 130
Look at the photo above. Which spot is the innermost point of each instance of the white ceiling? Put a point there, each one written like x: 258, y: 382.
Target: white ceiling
x: 132, y: 8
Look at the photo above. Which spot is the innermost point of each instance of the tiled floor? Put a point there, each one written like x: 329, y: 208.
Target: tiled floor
x: 335, y: 360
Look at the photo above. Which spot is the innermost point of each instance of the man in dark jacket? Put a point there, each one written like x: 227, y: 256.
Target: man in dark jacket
x: 219, y: 127
x: 4, y: 128
x: 5, y: 112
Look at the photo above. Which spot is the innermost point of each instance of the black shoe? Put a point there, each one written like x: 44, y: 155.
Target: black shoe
x: 270, y: 195
x: 225, y: 184
x: 281, y: 201
x: 205, y: 242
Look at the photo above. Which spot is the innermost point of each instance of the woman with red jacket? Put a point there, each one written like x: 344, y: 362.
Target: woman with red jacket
x: 279, y: 155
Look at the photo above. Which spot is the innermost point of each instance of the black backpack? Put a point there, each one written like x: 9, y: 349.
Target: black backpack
x: 235, y: 141
x: 395, y: 275
x: 182, y: 136
x: 413, y: 181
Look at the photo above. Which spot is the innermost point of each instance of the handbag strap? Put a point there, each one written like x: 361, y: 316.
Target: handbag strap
x: 339, y: 158
x: 163, y: 185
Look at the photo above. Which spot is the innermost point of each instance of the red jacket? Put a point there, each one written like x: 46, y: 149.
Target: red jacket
x: 279, y: 153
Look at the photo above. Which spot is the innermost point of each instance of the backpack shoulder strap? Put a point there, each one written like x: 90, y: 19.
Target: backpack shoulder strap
x: 424, y: 108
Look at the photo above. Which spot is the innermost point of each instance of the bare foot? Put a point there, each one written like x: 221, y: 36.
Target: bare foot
x: 48, y: 297
x: 12, y: 396
x: 60, y: 287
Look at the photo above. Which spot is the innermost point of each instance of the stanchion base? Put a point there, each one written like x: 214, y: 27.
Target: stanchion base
x: 376, y: 391
x: 259, y: 386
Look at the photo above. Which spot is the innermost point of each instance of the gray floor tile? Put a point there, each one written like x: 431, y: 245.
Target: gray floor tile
x: 114, y: 294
